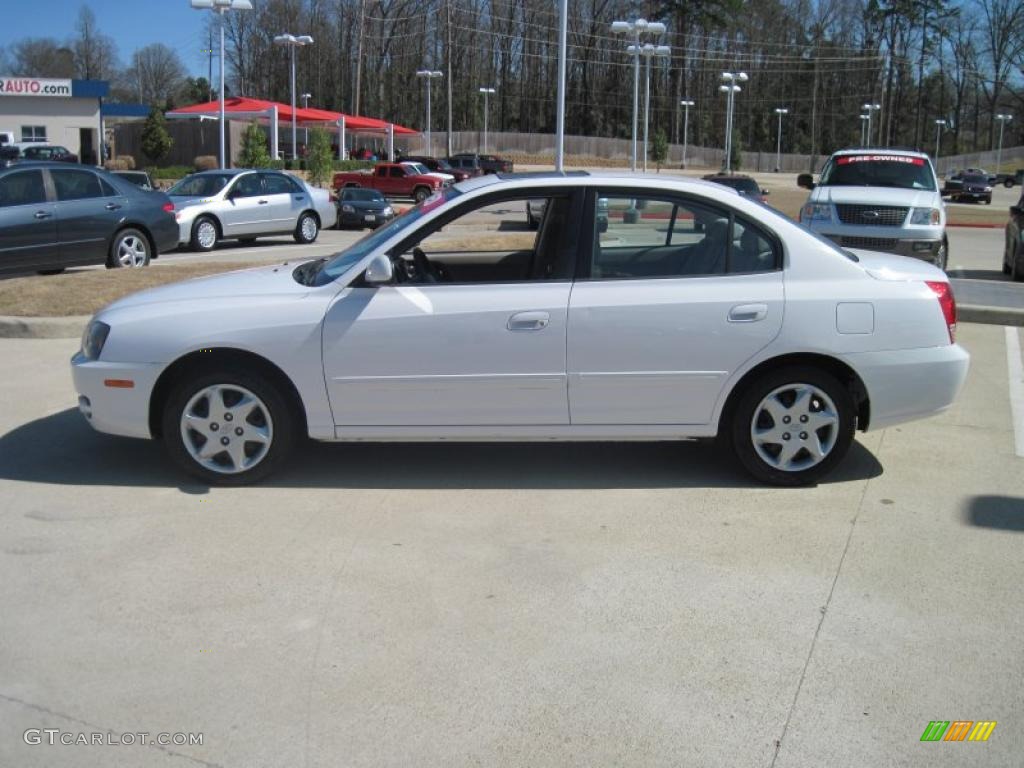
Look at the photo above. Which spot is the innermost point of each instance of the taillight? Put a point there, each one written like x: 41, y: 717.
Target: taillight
x: 168, y: 207
x: 944, y: 293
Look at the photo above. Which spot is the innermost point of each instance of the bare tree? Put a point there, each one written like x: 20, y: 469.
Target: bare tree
x: 42, y: 57
x: 159, y: 74
x: 95, y: 54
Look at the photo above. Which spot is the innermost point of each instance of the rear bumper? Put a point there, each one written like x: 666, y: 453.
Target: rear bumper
x: 165, y: 235
x: 908, y: 384
x: 115, y: 410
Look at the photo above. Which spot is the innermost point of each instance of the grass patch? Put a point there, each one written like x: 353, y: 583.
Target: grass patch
x: 86, y: 291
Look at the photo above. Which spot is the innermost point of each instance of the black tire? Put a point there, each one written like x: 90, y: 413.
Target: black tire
x: 200, y: 241
x: 283, y: 419
x: 420, y: 194
x: 988, y: 200
x: 1008, y: 183
x: 129, y: 248
x: 741, y: 424
x: 307, y: 229
x: 941, y: 259
x: 54, y: 271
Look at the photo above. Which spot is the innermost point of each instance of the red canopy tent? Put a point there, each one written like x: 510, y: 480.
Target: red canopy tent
x: 274, y: 112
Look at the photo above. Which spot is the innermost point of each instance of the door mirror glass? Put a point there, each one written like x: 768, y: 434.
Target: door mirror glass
x: 380, y: 270
x: 805, y: 180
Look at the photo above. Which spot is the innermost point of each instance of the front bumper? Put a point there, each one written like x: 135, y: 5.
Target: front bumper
x: 918, y: 248
x: 115, y: 410
x: 909, y: 384
x: 363, y: 218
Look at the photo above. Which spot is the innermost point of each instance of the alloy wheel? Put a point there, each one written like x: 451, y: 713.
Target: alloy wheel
x: 309, y: 229
x: 794, y: 427
x: 206, y: 234
x: 226, y: 428
x: 132, y: 251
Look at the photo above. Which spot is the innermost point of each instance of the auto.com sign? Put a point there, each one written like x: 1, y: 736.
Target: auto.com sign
x: 34, y: 86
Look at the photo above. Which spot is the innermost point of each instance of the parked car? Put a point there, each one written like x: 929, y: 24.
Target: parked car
x: 393, y: 180
x: 53, y: 216
x: 969, y: 187
x: 1008, y: 179
x: 879, y: 199
x: 469, y: 164
x: 745, y: 185
x: 1013, y: 250
x: 241, y: 204
x: 486, y: 163
x: 748, y: 327
x: 140, y: 179
x: 422, y: 170
x: 53, y: 152
x: 363, y: 207
x: 440, y: 165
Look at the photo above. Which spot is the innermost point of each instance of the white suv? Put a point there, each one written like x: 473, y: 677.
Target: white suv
x: 879, y: 200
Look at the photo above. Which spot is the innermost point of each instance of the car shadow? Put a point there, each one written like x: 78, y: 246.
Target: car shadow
x: 1003, y: 512
x: 63, y: 449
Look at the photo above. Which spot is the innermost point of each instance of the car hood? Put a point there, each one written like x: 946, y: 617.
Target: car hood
x: 889, y: 266
x: 915, y: 198
x: 272, y: 280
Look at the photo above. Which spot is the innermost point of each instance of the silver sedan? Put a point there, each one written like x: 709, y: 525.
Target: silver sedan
x: 243, y: 204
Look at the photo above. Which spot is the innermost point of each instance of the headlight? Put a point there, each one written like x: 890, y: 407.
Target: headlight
x: 346, y: 208
x: 988, y: 189
x: 93, y: 339
x: 816, y: 211
x: 388, y: 211
x: 925, y: 216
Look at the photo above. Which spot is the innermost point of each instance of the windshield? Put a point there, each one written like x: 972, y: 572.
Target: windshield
x: 361, y: 194
x: 900, y: 171
x: 443, y: 165
x: 200, y: 185
x: 420, y: 168
x: 745, y: 186
x: 338, y: 264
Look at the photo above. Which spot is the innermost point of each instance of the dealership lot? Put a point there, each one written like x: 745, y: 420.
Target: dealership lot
x: 587, y: 604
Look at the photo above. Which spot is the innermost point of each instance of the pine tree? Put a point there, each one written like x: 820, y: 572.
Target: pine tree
x: 156, y: 141
x: 254, y: 152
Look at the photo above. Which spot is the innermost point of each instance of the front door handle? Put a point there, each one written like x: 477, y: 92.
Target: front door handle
x: 264, y: 202
x: 43, y: 214
x: 112, y: 206
x: 748, y: 313
x: 528, y: 321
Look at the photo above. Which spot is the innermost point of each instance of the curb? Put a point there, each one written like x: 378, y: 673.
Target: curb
x: 42, y: 327
x: 977, y: 313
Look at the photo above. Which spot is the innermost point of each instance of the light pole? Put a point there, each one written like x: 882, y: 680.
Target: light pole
x: 1003, y: 120
x: 730, y: 89
x: 870, y: 108
x: 939, y: 125
x: 686, y: 104
x: 649, y: 51
x: 428, y: 75
x: 220, y: 7
x: 293, y: 42
x: 863, y: 124
x: 636, y: 28
x: 305, y: 105
x: 780, y: 111
x: 486, y: 92
x: 563, y: 32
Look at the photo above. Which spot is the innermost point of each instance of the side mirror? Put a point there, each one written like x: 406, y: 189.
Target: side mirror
x: 380, y: 271
x: 764, y: 192
x: 805, y: 180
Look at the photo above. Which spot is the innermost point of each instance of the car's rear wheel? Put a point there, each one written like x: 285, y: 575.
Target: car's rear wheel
x: 420, y: 194
x: 130, y: 248
x: 204, y: 234
x: 793, y: 425
x: 307, y: 229
x: 228, y: 427
x: 1008, y: 183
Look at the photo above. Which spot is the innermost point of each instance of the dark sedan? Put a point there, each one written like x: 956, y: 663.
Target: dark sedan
x: 745, y: 185
x: 54, y: 216
x: 361, y: 207
x: 971, y: 187
x: 439, y: 165
x: 49, y: 152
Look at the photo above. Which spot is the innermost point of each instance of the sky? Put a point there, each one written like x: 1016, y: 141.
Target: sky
x: 131, y: 23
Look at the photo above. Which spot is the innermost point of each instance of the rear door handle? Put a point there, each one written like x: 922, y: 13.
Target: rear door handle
x: 748, y: 313
x: 43, y: 214
x: 528, y: 321
x: 112, y: 206
x: 264, y: 202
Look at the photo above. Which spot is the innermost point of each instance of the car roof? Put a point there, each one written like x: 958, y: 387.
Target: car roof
x: 594, y: 179
x: 881, y: 151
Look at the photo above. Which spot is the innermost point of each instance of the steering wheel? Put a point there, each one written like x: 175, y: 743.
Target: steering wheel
x: 427, y: 271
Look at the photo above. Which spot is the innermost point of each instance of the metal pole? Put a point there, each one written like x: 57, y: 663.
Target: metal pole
x: 295, y: 137
x: 223, y: 158
x: 428, y: 118
x: 647, y: 106
x: 686, y: 128
x: 728, y: 130
x: 485, y: 122
x: 563, y: 25
x: 778, y: 147
x: 938, y: 129
x: 636, y: 93
x: 359, y: 55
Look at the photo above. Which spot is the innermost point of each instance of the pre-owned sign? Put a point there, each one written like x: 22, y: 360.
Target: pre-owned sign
x: 34, y: 86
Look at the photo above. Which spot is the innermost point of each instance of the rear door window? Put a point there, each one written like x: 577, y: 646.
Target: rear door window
x: 76, y: 185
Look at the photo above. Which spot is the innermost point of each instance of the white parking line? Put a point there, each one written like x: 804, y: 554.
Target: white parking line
x: 1016, y: 371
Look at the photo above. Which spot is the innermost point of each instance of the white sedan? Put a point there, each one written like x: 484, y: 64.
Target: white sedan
x: 693, y: 312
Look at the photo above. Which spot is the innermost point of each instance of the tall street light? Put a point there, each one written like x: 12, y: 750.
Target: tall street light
x: 649, y: 51
x: 293, y: 42
x: 220, y: 7
x: 730, y: 89
x: 869, y: 109
x: 780, y: 111
x: 636, y: 29
x: 686, y: 104
x: 305, y: 105
x: 486, y: 92
x: 939, y: 125
x: 864, y: 120
x: 428, y: 75
x: 1003, y: 120
x: 563, y: 46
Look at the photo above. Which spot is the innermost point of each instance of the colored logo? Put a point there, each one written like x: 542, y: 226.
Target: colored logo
x: 958, y: 730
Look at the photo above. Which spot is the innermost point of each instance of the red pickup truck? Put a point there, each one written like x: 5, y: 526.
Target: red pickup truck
x: 392, y: 180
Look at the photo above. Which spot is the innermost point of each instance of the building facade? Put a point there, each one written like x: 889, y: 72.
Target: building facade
x: 55, y: 111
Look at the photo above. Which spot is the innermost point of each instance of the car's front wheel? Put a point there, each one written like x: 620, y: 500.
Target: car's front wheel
x: 228, y: 427
x: 793, y: 425
x: 204, y: 234
x: 307, y: 229
x: 130, y: 248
